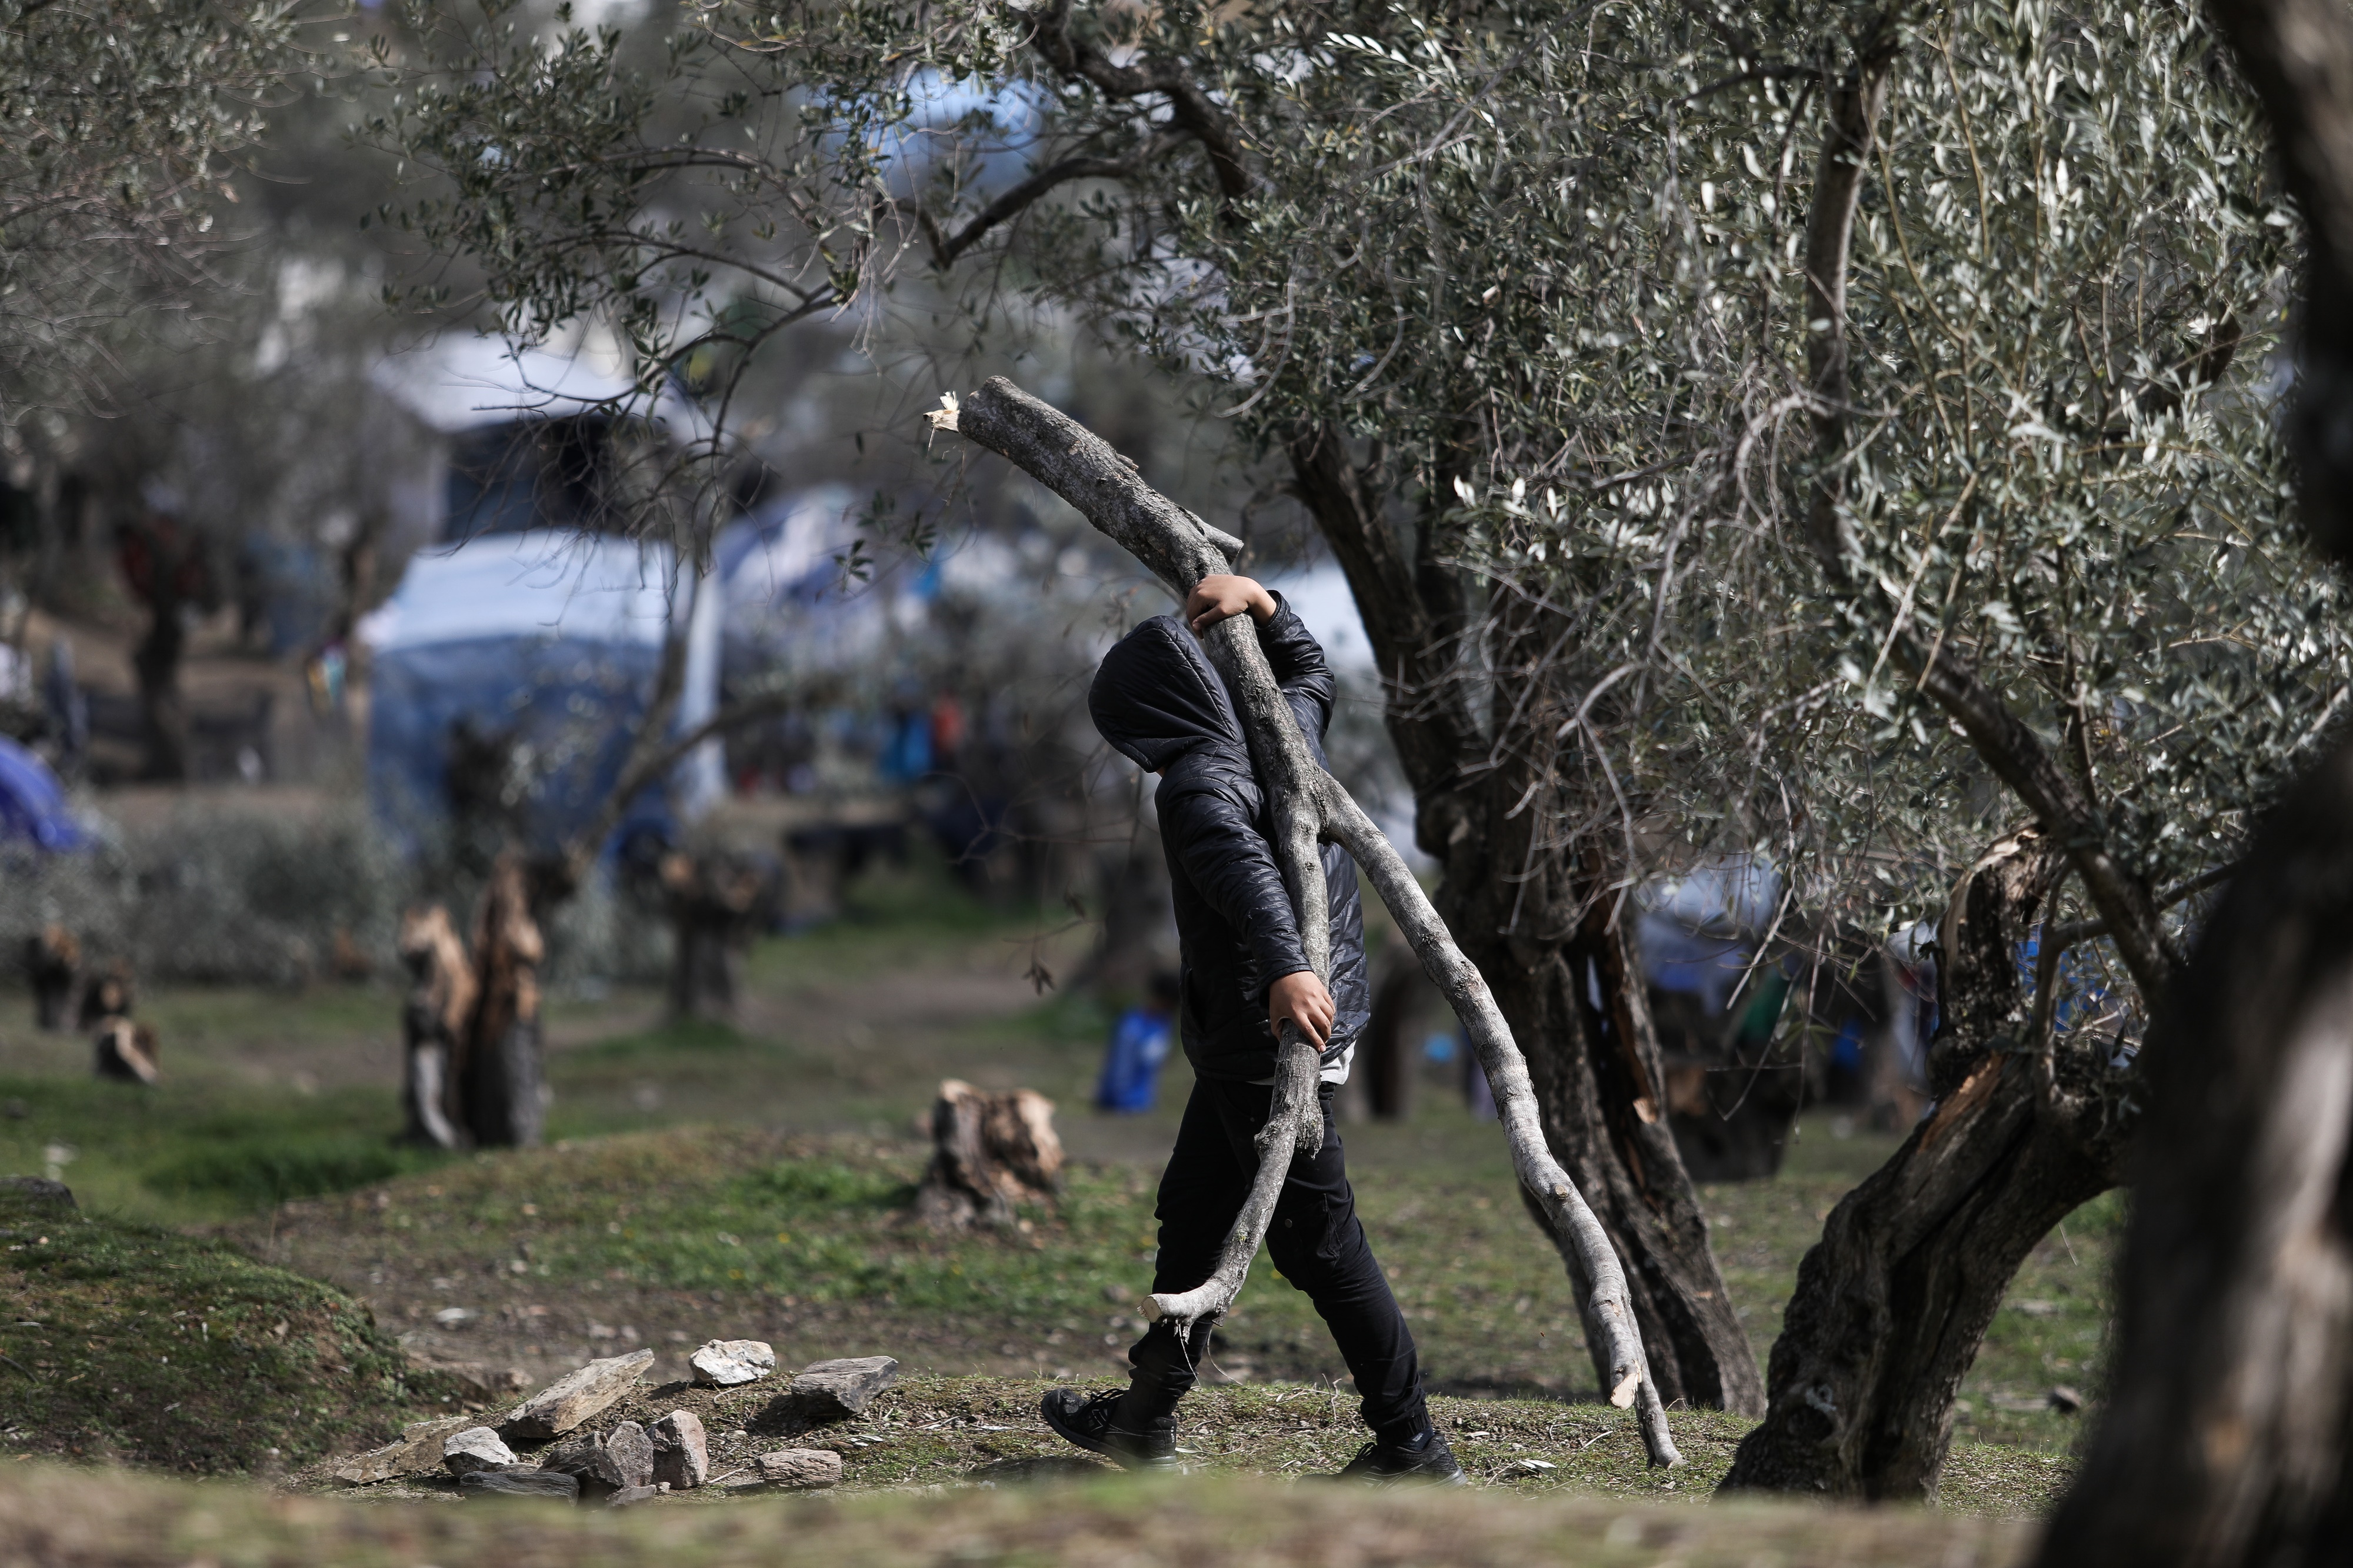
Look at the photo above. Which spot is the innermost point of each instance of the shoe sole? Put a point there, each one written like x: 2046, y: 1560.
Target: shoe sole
x: 1072, y: 1436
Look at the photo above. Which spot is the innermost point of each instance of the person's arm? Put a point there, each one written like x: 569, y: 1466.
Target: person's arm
x: 1233, y: 868
x: 1292, y: 652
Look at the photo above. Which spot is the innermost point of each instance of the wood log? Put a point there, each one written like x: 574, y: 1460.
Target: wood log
x: 715, y: 900
x: 501, y: 1079
x: 434, y: 1021
x: 989, y: 1151
x: 1307, y: 805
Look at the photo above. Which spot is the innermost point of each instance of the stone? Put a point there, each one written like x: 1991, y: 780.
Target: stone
x: 37, y: 1192
x: 551, y: 1484
x: 573, y: 1398
x: 416, y: 1452
x: 619, y: 1459
x: 829, y: 1390
x: 800, y: 1470
x: 728, y: 1363
x: 681, y: 1453
x: 475, y: 1448
x: 630, y: 1497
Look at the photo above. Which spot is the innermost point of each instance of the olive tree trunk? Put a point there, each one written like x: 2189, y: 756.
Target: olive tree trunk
x: 1892, y: 1303
x: 1305, y: 805
x: 2229, y: 1424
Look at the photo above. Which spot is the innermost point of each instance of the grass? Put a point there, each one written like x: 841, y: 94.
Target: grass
x: 935, y: 1430
x: 689, y: 1234
x: 205, y: 1147
x: 139, y: 1345
x: 76, y: 1519
x: 716, y: 1181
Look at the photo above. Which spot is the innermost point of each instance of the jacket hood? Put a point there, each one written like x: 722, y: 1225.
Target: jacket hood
x: 1157, y: 698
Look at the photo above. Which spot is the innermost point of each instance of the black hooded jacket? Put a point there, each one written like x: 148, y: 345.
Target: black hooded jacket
x: 1161, y: 703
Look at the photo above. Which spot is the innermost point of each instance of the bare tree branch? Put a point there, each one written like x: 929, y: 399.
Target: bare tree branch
x: 1308, y: 804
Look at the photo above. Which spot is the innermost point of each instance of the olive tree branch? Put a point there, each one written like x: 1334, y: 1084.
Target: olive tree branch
x: 1307, y: 805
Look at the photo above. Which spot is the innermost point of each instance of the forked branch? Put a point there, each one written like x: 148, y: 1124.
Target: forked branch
x: 1309, y: 806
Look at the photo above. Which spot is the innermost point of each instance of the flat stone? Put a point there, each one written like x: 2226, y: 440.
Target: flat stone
x: 416, y: 1451
x: 830, y: 1389
x: 800, y: 1470
x: 682, y: 1453
x: 573, y: 1398
x: 729, y: 1363
x: 475, y: 1448
x: 630, y: 1497
x: 550, y: 1484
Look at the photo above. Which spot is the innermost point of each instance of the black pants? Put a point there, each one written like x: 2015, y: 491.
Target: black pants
x: 1316, y: 1241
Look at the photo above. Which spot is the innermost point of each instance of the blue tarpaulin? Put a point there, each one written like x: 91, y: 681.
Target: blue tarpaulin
x: 33, y: 803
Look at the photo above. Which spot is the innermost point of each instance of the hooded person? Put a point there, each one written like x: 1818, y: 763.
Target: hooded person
x: 1244, y: 971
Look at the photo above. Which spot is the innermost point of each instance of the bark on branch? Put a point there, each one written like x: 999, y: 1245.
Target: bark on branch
x: 1307, y: 805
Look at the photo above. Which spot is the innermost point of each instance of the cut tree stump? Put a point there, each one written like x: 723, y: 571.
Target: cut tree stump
x: 433, y: 1023
x: 716, y: 900
x: 989, y: 1151
x: 501, y: 1075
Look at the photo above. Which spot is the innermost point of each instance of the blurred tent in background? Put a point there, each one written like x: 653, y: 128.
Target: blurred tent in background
x: 510, y: 666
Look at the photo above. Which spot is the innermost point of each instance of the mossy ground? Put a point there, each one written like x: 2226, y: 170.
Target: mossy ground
x: 129, y: 1343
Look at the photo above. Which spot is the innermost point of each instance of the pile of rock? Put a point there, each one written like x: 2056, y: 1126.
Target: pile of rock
x: 630, y: 1463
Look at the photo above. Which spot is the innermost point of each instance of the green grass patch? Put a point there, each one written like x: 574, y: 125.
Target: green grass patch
x: 204, y: 1149
x: 137, y: 1344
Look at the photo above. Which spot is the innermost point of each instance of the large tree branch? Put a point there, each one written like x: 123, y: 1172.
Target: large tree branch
x: 945, y: 247
x: 1194, y: 110
x: 1306, y: 804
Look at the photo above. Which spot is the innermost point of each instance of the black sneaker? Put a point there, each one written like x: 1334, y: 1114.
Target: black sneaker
x: 1091, y: 1423
x: 1421, y: 1460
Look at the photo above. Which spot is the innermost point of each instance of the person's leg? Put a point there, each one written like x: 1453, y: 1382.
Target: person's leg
x: 1200, y: 1192
x: 1319, y: 1245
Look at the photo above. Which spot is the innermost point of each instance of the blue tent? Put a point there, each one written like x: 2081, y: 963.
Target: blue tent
x: 33, y: 803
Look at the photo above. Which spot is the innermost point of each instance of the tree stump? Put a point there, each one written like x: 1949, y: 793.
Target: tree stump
x: 989, y: 1151
x: 52, y: 964
x: 715, y: 900
x: 433, y: 1025
x: 500, y: 1078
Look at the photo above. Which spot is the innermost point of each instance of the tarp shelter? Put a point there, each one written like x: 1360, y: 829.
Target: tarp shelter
x: 526, y: 627
x: 33, y: 805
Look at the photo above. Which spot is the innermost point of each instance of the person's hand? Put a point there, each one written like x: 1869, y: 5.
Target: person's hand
x: 1221, y: 595
x: 1302, y: 999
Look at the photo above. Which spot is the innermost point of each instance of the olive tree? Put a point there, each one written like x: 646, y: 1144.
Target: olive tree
x: 1847, y: 443
x: 121, y: 122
